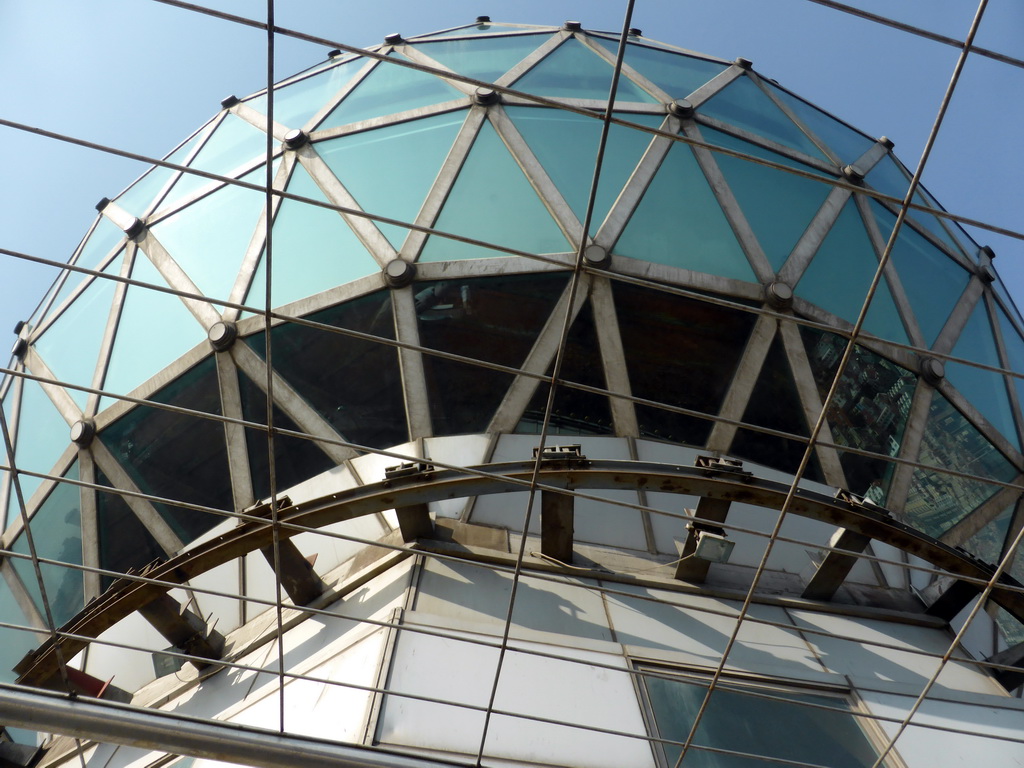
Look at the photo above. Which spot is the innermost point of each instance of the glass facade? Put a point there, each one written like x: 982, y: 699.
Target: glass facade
x: 487, y: 203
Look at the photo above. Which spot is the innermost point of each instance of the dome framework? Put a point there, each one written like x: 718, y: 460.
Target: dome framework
x: 462, y: 337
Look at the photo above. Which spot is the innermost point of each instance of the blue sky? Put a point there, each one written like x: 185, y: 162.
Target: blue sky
x: 142, y: 76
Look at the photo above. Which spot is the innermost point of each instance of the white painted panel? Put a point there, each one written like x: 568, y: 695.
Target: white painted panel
x: 371, y: 467
x: 479, y: 594
x: 565, y: 691
x: 225, y: 611
x: 861, y: 659
x: 331, y: 551
x: 698, y: 628
x: 130, y: 670
x: 895, y: 575
x: 333, y: 480
x: 929, y: 747
x: 609, y: 524
x: 666, y: 453
x: 668, y: 529
x: 458, y: 451
x: 506, y: 510
x: 980, y: 640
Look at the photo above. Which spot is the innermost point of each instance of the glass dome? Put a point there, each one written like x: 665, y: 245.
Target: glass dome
x: 428, y: 203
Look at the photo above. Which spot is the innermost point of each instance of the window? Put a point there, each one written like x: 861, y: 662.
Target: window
x: 749, y: 720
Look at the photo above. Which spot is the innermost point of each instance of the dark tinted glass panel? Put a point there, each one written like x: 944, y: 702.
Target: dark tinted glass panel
x: 988, y: 542
x: 574, y: 412
x: 176, y: 456
x: 938, y: 501
x: 295, y: 459
x: 14, y: 643
x: 492, y: 319
x: 774, y: 403
x: 57, y: 533
x: 869, y: 410
x: 124, y: 541
x: 353, y: 383
x: 704, y: 344
x: 740, y: 720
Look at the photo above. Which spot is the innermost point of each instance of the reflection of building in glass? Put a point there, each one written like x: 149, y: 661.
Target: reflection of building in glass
x: 318, y: 506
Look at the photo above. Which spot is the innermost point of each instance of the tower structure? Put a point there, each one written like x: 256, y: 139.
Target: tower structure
x: 376, y: 426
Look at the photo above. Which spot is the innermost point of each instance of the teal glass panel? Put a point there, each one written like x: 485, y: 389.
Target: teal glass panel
x: 780, y: 218
x: 700, y: 238
x: 353, y: 383
x: 416, y: 150
x: 889, y: 178
x: 869, y: 411
x: 143, y: 196
x: 70, y: 347
x: 944, y: 229
x: 233, y: 143
x: 573, y: 411
x: 388, y: 89
x: 938, y: 501
x: 782, y: 728
x: 125, y: 542
x: 775, y: 404
x: 495, y: 319
x: 208, y: 239
x: 155, y: 329
x: 932, y: 281
x: 296, y: 103
x: 483, y: 61
x: 177, y: 456
x: 314, y: 249
x: 1014, y: 345
x: 847, y: 143
x: 492, y: 200
x: 572, y: 71
x: 5, y: 476
x: 838, y: 278
x: 566, y: 145
x: 676, y: 74
x: 14, y: 643
x: 104, y: 238
x: 987, y: 544
x: 985, y: 390
x: 707, y: 342
x: 744, y: 105
x: 57, y: 533
x: 42, y: 437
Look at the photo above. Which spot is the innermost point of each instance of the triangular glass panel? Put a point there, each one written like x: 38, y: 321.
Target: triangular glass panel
x: 387, y: 89
x: 14, y: 644
x: 574, y: 411
x: 743, y: 104
x: 208, y: 238
x: 987, y: 544
x: 43, y: 435
x: 314, y: 249
x: 124, y: 541
x: 867, y: 412
x: 889, y: 178
x: 365, y: 409
x: 937, y: 501
x: 838, y: 277
x: 143, y: 196
x: 780, y: 218
x: 775, y: 404
x: 416, y: 149
x: 483, y: 61
x: 233, y: 143
x: 495, y: 320
x: 296, y: 103
x: 572, y: 71
x: 700, y: 238
x: 493, y: 201
x: 70, y: 347
x: 104, y: 238
x: 1014, y: 344
x: 676, y: 74
x: 932, y: 281
x: 707, y: 342
x: 177, y: 456
x: 295, y: 459
x: 485, y: 29
x: 566, y: 145
x: 155, y: 329
x: 57, y: 529
x: 5, y: 476
x: 847, y: 143
x: 985, y: 390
